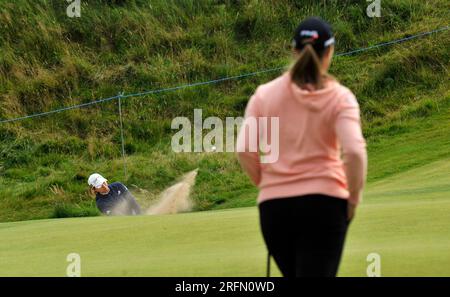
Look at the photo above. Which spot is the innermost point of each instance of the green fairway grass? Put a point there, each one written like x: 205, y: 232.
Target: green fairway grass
x: 403, y: 218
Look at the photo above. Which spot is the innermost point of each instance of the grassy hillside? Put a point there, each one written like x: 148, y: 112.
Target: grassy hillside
x: 48, y: 60
x: 404, y: 219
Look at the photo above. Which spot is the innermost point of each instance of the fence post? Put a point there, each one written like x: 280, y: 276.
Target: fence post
x: 120, y: 95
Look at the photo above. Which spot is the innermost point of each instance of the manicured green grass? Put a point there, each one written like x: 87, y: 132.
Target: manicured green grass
x: 403, y: 218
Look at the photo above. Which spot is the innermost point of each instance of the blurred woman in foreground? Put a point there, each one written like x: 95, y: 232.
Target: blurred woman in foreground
x: 308, y: 196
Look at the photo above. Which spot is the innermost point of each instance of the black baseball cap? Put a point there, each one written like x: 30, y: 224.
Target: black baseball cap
x: 314, y: 31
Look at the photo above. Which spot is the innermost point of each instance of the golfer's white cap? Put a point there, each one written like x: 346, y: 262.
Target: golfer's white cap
x: 96, y: 180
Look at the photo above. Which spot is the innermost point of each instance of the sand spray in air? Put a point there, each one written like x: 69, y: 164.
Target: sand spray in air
x: 123, y: 207
x: 176, y: 198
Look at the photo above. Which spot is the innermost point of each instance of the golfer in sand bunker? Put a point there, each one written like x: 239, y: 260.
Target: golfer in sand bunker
x: 114, y: 198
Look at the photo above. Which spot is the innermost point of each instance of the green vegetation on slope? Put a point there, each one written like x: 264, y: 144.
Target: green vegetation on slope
x: 48, y: 60
x: 404, y: 219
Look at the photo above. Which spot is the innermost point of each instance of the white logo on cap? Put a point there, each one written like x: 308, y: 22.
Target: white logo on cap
x: 309, y: 33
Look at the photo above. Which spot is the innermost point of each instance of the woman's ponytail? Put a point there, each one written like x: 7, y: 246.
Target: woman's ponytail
x: 308, y: 68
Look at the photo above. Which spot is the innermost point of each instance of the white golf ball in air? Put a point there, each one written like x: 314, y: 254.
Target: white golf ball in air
x: 213, y: 148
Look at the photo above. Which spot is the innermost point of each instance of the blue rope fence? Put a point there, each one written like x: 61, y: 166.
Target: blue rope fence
x: 150, y: 92
x: 121, y: 95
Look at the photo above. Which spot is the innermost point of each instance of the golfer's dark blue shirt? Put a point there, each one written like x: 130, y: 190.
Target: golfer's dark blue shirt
x: 118, y: 201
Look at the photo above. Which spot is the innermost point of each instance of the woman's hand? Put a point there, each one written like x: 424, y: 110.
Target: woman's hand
x: 351, y: 209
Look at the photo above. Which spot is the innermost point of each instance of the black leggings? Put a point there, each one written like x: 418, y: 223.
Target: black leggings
x: 305, y: 234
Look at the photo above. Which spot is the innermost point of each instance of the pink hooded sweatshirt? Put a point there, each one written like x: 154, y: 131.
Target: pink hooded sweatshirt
x: 313, y: 128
